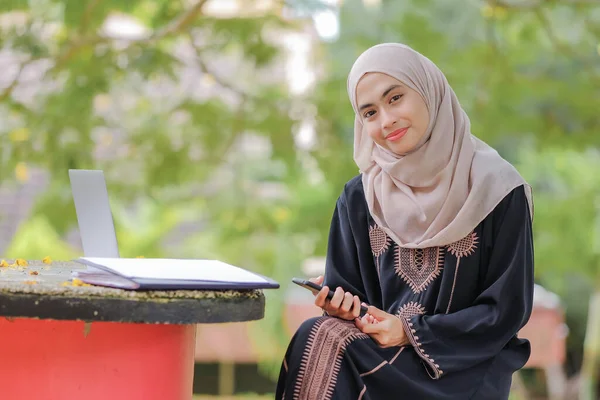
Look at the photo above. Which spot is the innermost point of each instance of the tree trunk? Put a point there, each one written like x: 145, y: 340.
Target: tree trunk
x: 591, y: 352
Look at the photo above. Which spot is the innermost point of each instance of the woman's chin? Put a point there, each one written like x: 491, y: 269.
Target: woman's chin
x: 399, y: 148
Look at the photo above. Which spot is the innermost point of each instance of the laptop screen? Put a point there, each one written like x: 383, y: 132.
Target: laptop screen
x: 96, y: 227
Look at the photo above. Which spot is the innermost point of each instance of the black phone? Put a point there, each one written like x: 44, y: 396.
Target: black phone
x: 315, y: 288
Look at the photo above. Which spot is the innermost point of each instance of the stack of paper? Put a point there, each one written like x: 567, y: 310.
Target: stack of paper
x: 161, y: 273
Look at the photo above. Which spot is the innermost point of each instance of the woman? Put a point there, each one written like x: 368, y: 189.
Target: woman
x: 435, y: 235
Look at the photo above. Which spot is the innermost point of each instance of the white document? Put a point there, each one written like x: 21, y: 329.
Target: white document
x: 174, y: 269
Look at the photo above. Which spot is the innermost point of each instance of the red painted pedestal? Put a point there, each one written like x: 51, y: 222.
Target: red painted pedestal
x: 55, y: 360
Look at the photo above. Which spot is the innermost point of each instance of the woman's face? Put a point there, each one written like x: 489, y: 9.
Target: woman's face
x: 395, y: 116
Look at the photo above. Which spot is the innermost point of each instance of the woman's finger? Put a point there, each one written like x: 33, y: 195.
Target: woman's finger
x: 321, y: 298
x: 355, y: 307
x: 337, y: 299
x: 347, y: 302
x: 318, y: 280
x: 370, y: 329
x: 359, y: 323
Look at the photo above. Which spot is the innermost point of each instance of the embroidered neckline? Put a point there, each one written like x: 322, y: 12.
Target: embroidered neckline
x: 419, y: 267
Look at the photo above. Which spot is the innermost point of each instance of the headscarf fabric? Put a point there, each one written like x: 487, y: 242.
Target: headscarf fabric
x: 440, y: 191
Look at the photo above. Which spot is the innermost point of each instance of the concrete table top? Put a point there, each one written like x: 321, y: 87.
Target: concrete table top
x: 46, y: 291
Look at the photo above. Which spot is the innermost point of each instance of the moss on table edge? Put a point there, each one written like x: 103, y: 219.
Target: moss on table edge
x: 25, y: 286
x: 42, y: 291
x: 82, y: 292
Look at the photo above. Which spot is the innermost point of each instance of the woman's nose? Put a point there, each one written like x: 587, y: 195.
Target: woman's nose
x: 387, y: 120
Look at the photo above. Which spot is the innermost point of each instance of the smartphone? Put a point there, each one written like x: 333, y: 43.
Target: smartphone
x: 315, y: 288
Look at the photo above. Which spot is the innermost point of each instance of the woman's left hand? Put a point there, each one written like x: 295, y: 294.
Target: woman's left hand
x: 386, y: 329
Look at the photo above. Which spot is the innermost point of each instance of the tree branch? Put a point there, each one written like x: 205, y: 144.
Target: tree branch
x: 206, y: 70
x: 76, y: 47
x: 562, y: 47
x: 173, y: 27
x: 546, y: 25
x: 178, y: 24
x: 87, y: 15
x: 9, y: 89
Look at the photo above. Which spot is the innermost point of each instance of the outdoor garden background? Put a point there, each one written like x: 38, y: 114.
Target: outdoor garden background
x: 224, y: 131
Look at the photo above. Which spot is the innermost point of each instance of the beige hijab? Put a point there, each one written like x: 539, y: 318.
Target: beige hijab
x: 439, y: 192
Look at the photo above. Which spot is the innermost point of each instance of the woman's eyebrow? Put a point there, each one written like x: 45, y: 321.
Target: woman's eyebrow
x: 388, y: 90
x: 385, y: 93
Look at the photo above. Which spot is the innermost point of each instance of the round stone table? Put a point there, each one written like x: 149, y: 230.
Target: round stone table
x: 63, y: 341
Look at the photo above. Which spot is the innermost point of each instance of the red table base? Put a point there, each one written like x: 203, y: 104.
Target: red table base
x: 54, y: 360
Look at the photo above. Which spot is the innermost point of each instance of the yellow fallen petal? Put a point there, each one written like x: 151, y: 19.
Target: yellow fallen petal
x: 77, y: 282
x: 3, y: 263
x: 47, y: 260
x: 21, y: 262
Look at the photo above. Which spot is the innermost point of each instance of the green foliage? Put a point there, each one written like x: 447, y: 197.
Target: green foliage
x: 164, y: 113
x: 36, y: 239
x: 567, y: 200
x: 117, y: 101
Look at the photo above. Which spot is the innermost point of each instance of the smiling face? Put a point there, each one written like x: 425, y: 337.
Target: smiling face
x: 394, y: 115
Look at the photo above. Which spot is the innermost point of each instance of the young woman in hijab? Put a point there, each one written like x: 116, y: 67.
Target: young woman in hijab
x: 435, y: 235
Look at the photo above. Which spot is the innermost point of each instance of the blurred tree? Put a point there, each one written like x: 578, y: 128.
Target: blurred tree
x: 567, y: 242
x: 185, y: 107
x: 167, y: 97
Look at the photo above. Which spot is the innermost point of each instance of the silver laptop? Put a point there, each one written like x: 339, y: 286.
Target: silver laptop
x: 95, y: 220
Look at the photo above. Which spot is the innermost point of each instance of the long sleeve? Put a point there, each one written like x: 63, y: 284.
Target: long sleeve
x: 349, y: 262
x: 342, y: 265
x: 462, y: 339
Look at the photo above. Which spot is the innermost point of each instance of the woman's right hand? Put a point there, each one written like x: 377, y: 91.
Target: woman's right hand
x: 343, y: 304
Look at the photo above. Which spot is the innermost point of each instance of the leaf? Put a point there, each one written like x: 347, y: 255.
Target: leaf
x: 90, y: 15
x: 13, y: 5
x: 36, y: 239
x: 151, y: 62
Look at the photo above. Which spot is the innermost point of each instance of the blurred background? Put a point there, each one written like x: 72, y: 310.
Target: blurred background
x: 224, y: 130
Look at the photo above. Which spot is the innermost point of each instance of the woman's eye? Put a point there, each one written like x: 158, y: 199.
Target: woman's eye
x: 395, y: 98
x: 369, y: 114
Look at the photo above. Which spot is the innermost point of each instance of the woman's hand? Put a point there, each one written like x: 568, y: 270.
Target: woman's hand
x: 343, y: 304
x: 385, y: 329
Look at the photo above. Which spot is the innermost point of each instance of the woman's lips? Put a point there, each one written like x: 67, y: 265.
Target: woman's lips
x: 397, y: 134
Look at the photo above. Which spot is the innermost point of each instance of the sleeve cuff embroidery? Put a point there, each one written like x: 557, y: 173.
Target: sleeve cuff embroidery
x: 433, y: 369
